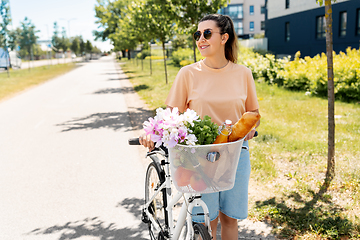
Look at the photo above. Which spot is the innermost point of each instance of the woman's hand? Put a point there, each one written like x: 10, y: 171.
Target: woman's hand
x: 145, y: 140
x: 250, y: 135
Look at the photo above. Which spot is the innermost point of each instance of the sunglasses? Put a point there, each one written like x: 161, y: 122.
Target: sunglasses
x: 207, y: 34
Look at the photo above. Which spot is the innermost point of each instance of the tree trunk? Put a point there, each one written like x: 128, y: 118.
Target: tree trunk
x: 8, y: 61
x: 150, y: 61
x: 164, y: 54
x: 194, y: 48
x: 330, y: 173
x: 29, y: 51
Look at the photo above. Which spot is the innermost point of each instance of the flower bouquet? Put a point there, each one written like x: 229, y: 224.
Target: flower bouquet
x: 197, y: 165
x: 169, y: 127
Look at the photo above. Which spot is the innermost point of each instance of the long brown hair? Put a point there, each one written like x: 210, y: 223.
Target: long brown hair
x: 226, y: 25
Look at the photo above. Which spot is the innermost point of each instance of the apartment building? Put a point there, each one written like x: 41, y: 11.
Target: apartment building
x: 248, y: 17
x: 299, y: 25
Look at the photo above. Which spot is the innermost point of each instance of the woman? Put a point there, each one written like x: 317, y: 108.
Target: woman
x: 221, y: 89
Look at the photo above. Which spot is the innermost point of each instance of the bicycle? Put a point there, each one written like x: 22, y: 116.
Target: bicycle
x: 157, y: 211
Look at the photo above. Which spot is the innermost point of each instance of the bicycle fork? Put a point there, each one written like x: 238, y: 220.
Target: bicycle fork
x: 190, y: 201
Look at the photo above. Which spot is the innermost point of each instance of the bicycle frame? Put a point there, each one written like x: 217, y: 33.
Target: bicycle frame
x: 190, y: 201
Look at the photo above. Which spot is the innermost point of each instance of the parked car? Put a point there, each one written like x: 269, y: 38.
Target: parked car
x: 11, y: 59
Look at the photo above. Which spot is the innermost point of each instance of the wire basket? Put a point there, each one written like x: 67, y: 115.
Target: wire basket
x: 205, y: 168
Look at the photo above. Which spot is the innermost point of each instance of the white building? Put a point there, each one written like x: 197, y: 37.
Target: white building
x: 248, y: 17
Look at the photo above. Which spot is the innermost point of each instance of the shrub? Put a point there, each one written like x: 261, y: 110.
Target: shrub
x: 143, y: 54
x: 310, y: 74
x: 155, y: 57
x: 186, y: 62
x: 186, y: 55
x: 181, y: 54
x: 264, y: 67
x: 307, y: 74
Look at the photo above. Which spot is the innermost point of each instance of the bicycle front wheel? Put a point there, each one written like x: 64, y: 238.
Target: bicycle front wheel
x: 153, y: 181
x: 201, y: 232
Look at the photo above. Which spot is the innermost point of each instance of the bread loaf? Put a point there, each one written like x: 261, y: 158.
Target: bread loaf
x: 244, y: 125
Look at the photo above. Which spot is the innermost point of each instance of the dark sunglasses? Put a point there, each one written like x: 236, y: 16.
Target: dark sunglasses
x: 207, y: 34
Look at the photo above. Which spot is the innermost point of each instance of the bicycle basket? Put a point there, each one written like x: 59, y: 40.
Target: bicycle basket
x: 205, y: 168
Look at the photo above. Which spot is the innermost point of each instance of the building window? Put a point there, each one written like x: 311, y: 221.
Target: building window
x: 251, y: 10
x: 287, y: 4
x: 320, y: 27
x: 239, y: 29
x: 287, y: 32
x: 235, y: 11
x: 358, y: 23
x: 343, y: 23
x: 251, y: 27
x: 263, y: 9
x: 262, y: 25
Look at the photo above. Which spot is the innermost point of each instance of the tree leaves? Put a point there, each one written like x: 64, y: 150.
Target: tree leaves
x: 321, y: 2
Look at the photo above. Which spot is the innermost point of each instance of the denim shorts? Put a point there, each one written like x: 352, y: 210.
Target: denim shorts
x: 233, y: 202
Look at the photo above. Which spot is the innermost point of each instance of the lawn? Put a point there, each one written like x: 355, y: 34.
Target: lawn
x: 289, y: 158
x: 22, y: 79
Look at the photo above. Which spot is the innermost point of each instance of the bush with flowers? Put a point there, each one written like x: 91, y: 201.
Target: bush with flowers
x: 308, y: 74
x: 169, y: 127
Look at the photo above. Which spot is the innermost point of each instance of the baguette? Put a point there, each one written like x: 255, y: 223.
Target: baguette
x: 244, y: 125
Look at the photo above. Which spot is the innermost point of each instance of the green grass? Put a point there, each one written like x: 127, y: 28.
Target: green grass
x: 152, y: 88
x: 22, y: 79
x: 290, y: 155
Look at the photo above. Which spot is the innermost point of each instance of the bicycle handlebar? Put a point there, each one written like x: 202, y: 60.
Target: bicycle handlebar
x: 135, y: 141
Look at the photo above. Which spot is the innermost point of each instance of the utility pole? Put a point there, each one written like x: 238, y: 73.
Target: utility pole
x: 68, y: 21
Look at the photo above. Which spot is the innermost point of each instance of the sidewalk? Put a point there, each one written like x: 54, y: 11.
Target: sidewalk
x: 45, y: 62
x: 139, y: 112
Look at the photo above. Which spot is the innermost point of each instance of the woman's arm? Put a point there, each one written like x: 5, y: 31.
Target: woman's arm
x: 252, y: 132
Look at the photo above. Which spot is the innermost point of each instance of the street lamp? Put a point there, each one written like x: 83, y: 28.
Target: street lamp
x: 68, y: 20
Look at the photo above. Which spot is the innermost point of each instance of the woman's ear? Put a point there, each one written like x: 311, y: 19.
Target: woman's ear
x: 224, y: 38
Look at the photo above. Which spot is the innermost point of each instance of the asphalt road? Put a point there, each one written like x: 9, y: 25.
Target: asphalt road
x: 66, y: 171
x: 39, y: 63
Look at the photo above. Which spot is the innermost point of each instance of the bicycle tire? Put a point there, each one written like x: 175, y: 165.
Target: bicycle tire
x: 201, y: 232
x: 154, y: 178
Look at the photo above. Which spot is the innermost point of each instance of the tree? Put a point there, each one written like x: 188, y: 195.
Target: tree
x: 182, y: 41
x: 55, y: 39
x: 133, y: 24
x: 96, y: 50
x: 190, y: 12
x: 65, y: 42
x: 75, y: 45
x: 4, y: 32
x: 37, y: 51
x: 88, y: 47
x: 113, y: 20
x: 28, y: 36
x: 82, y: 46
x: 158, y: 17
x: 108, y: 14
x: 14, y: 38
x: 330, y: 173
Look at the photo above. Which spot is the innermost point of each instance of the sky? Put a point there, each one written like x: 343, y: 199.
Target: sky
x: 76, y: 16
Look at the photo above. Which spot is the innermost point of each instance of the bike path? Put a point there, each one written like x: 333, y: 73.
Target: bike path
x: 67, y: 171
x: 138, y: 114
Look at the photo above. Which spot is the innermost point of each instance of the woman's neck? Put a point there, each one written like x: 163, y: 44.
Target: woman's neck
x: 216, y: 63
